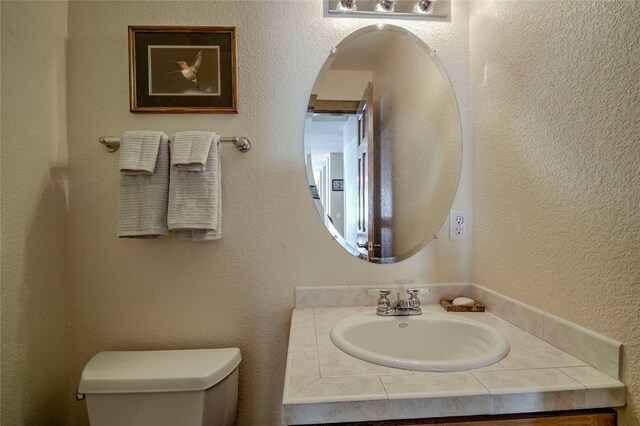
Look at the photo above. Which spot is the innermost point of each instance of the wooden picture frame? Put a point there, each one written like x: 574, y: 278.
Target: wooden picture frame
x: 337, y: 185
x: 182, y: 69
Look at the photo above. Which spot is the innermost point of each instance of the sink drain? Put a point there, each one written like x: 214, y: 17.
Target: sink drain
x: 403, y: 325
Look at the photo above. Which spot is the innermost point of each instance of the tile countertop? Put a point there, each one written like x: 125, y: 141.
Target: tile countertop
x: 324, y: 384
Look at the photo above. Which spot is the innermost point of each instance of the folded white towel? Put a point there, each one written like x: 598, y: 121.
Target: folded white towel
x: 190, y: 150
x: 195, y: 198
x: 138, y: 152
x: 142, y: 200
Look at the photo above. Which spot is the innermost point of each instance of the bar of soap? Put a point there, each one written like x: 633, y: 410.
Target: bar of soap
x: 463, y: 301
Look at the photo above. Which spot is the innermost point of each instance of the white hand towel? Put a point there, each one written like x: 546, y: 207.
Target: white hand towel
x: 195, y: 198
x: 138, y: 152
x: 190, y: 150
x: 142, y: 200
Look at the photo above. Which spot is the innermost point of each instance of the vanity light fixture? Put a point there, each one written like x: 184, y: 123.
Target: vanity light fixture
x: 423, y: 7
x: 385, y: 6
x: 427, y: 10
x: 347, y: 5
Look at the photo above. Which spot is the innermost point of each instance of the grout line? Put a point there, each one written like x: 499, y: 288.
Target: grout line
x: 386, y: 392
x: 315, y: 331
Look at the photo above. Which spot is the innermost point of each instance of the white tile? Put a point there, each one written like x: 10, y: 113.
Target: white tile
x: 527, y: 351
x: 302, y: 315
x: 524, y: 316
x: 368, y: 295
x: 518, y: 360
x: 302, y: 370
x: 302, y: 337
x: 334, y: 412
x: 571, y: 400
x: 610, y: 397
x: 491, y: 367
x: 429, y: 293
x: 326, y: 318
x: 602, y: 389
x: 591, y: 378
x: 484, y: 317
x: 523, y: 403
x: 340, y: 389
x: 432, y: 385
x: 439, y: 407
x: 444, y: 291
x: 518, y: 337
x: 526, y: 381
x: 336, y: 363
x: 538, y: 401
x: 433, y: 308
x: 596, y: 349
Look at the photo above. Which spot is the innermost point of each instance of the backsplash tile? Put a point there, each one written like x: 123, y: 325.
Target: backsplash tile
x: 367, y: 295
x: 517, y: 313
x: 597, y: 350
x: 528, y: 351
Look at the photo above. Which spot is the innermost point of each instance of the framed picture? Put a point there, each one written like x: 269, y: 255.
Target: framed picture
x: 182, y: 69
x: 337, y: 184
x: 314, y: 192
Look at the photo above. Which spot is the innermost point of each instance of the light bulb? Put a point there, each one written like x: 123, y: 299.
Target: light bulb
x: 347, y: 5
x: 385, y: 6
x: 423, y: 7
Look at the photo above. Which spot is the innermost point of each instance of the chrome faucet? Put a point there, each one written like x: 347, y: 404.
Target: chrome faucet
x: 410, y: 306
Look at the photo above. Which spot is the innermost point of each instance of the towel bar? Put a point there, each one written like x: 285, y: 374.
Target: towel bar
x: 242, y: 143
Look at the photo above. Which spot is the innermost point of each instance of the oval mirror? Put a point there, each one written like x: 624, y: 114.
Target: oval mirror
x: 383, y: 144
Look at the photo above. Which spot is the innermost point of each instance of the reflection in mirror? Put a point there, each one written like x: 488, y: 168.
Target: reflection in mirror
x: 382, y: 144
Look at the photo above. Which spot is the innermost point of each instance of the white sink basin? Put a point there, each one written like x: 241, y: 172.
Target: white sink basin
x: 428, y: 342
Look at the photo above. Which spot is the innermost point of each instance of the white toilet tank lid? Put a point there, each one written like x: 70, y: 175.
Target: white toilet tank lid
x: 157, y: 371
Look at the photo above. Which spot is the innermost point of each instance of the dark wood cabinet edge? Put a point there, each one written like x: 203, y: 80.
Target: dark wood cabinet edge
x: 596, y: 417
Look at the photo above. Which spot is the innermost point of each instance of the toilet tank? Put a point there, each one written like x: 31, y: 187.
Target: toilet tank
x: 194, y: 387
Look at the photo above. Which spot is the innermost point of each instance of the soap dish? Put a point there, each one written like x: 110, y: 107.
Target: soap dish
x: 448, y: 305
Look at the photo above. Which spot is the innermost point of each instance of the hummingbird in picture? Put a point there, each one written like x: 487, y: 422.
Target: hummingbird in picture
x: 190, y: 72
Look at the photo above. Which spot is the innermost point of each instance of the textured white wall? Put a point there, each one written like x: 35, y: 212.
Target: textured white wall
x: 237, y: 291
x: 556, y: 163
x: 35, y: 329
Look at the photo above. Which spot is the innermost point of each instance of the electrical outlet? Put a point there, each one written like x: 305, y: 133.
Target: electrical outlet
x: 458, y: 225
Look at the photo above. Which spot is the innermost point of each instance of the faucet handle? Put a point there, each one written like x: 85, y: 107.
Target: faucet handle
x: 413, y: 297
x: 383, y: 303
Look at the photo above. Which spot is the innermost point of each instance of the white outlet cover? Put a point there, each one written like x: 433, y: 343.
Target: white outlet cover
x: 458, y: 225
